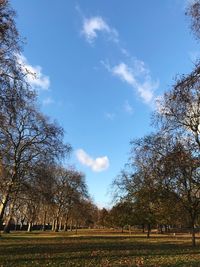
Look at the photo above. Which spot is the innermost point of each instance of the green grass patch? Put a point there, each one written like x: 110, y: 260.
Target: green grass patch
x: 96, y: 249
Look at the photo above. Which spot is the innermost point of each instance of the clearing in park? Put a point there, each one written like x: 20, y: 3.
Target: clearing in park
x: 99, y: 248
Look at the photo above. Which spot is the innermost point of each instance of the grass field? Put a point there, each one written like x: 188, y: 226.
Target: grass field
x: 96, y: 248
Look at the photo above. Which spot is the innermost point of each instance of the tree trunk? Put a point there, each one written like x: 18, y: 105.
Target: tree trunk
x: 193, y: 235
x: 129, y: 228
x: 44, y: 221
x: 6, y: 229
x: 3, y: 206
x: 16, y: 224
x: 143, y: 228
x: 60, y: 225
x: 53, y: 225
x: 56, y: 225
x: 148, y: 230
x: 65, y: 226
x: 71, y: 225
x: 29, y: 227
x: 6, y: 196
x: 22, y: 223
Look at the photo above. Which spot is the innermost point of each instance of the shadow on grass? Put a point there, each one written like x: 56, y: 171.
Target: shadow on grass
x: 61, y: 249
x: 88, y: 244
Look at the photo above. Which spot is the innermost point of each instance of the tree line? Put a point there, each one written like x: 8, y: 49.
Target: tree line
x: 160, y: 184
x: 35, y: 188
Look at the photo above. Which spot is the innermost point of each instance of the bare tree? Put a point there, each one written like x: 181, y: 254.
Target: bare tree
x: 27, y: 138
x: 179, y: 111
x: 9, y: 42
x: 193, y: 11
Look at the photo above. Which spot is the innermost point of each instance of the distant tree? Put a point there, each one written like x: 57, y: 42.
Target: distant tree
x: 121, y: 215
x: 103, y: 218
x: 84, y: 213
x: 43, y: 178
x: 69, y: 189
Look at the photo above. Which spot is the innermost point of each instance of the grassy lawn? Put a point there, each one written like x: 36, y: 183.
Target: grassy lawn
x: 92, y: 248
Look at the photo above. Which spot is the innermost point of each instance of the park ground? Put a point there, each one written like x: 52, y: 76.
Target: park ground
x: 97, y: 248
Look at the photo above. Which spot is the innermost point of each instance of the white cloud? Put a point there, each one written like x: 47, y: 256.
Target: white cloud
x: 97, y: 165
x: 125, y: 73
x: 48, y: 101
x: 128, y: 108
x: 34, y: 76
x: 93, y: 25
x: 137, y: 77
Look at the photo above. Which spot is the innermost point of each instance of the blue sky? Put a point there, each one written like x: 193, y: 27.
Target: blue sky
x: 100, y: 66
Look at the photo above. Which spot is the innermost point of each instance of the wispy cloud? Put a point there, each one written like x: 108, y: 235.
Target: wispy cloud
x: 138, y: 77
x: 35, y: 76
x: 48, y: 101
x: 124, y: 52
x: 110, y: 116
x: 128, y: 108
x: 124, y: 72
x: 94, y: 25
x: 97, y: 165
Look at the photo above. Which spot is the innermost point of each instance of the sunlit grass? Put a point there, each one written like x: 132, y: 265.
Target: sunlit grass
x: 96, y: 248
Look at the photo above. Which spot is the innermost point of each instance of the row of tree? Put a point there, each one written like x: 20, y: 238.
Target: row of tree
x: 160, y: 185
x: 34, y: 187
